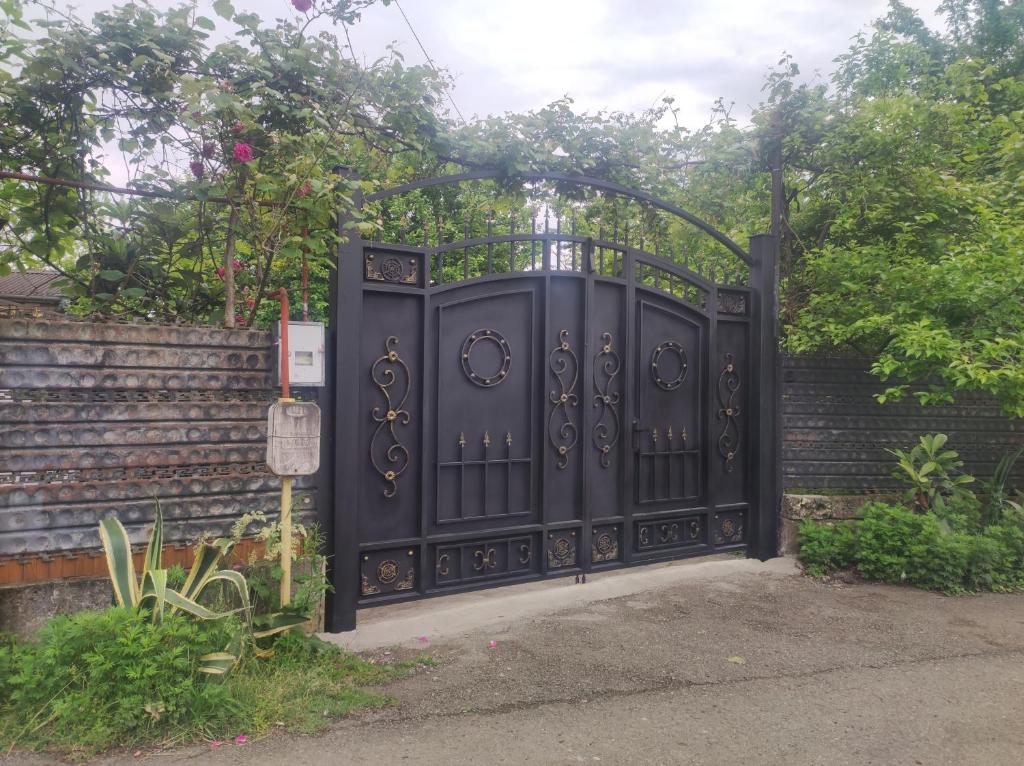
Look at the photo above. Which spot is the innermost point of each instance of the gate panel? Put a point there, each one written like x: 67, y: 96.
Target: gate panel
x: 486, y: 349
x: 607, y: 438
x: 564, y: 448
x: 668, y: 436
x: 391, y: 417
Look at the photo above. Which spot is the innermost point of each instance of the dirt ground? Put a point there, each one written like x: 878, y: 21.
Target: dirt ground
x: 749, y: 666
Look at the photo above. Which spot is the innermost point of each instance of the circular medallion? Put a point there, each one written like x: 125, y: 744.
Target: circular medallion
x: 604, y: 544
x: 387, y: 571
x: 478, y: 339
x: 674, y: 382
x: 728, y: 528
x: 561, y: 548
x: 391, y: 269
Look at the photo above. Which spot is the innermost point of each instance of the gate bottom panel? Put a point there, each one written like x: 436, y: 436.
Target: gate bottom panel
x: 474, y: 561
x: 670, y: 533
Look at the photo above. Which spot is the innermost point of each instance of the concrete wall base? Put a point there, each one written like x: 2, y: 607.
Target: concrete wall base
x: 821, y: 508
x: 26, y: 608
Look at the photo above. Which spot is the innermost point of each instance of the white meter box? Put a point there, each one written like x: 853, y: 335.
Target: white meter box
x: 306, y: 356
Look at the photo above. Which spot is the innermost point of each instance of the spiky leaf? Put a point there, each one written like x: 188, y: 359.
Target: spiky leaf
x: 118, y: 550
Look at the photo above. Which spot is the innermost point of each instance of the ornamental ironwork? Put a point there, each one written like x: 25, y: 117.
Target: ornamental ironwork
x: 605, y: 434
x: 674, y: 382
x: 487, y: 379
x: 728, y: 410
x: 562, y: 431
x: 392, y: 268
x: 388, y: 455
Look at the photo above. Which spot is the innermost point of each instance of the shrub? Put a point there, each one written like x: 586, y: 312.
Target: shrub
x: 96, y: 679
x: 825, y: 548
x: 896, y: 545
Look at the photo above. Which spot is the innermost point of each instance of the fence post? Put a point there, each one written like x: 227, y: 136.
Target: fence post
x: 346, y: 316
x: 764, y: 251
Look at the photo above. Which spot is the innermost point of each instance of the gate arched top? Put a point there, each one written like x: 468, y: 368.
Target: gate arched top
x: 596, y: 183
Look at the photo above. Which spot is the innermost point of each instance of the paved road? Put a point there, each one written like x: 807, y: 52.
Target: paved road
x: 750, y: 666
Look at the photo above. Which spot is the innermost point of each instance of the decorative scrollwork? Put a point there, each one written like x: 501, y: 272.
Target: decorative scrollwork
x: 408, y: 582
x: 391, y: 269
x: 605, y: 434
x: 390, y: 461
x: 605, y: 546
x: 561, y: 550
x: 481, y: 336
x: 387, y: 571
x: 562, y: 431
x: 732, y: 303
x: 484, y: 559
x: 729, y: 439
x: 669, y: 384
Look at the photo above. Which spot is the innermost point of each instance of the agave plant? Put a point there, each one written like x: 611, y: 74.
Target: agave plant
x: 152, y: 593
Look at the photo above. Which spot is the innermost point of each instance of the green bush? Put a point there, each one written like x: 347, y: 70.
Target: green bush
x: 826, y: 548
x: 95, y: 679
x: 894, y: 544
x: 897, y: 545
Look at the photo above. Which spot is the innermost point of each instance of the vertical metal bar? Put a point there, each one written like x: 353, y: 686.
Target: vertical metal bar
x: 465, y: 250
x: 533, y: 244
x: 508, y: 473
x: 511, y: 243
x: 487, y: 443
x: 600, y: 236
x: 765, y: 447
x: 490, y: 245
x: 547, y: 242
x: 348, y: 314
x: 462, y: 475
x: 573, y: 229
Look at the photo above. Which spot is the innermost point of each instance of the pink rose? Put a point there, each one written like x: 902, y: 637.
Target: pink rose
x: 209, y: 150
x: 196, y: 166
x: 236, y: 264
x: 220, y: 272
x: 302, y: 5
x: 243, y: 152
x: 237, y: 127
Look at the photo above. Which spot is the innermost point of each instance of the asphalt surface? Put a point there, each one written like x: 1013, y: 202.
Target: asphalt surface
x: 750, y: 665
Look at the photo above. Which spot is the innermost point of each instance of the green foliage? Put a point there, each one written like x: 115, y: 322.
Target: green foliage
x: 97, y: 680
x: 897, y: 545
x: 826, y: 548
x: 998, y: 495
x: 904, y: 204
x: 933, y: 474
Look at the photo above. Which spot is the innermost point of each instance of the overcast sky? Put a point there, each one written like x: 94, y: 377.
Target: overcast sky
x: 606, y: 54
x: 617, y: 54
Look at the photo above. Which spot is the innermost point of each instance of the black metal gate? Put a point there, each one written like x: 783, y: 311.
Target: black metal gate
x: 526, y: 395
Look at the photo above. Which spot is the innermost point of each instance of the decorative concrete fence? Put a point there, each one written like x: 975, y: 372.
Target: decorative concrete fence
x: 99, y: 418
x: 835, y: 435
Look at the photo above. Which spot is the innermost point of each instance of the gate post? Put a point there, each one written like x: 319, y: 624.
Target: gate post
x: 764, y: 250
x: 346, y: 318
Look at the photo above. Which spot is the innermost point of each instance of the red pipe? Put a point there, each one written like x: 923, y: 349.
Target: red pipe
x: 282, y: 295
